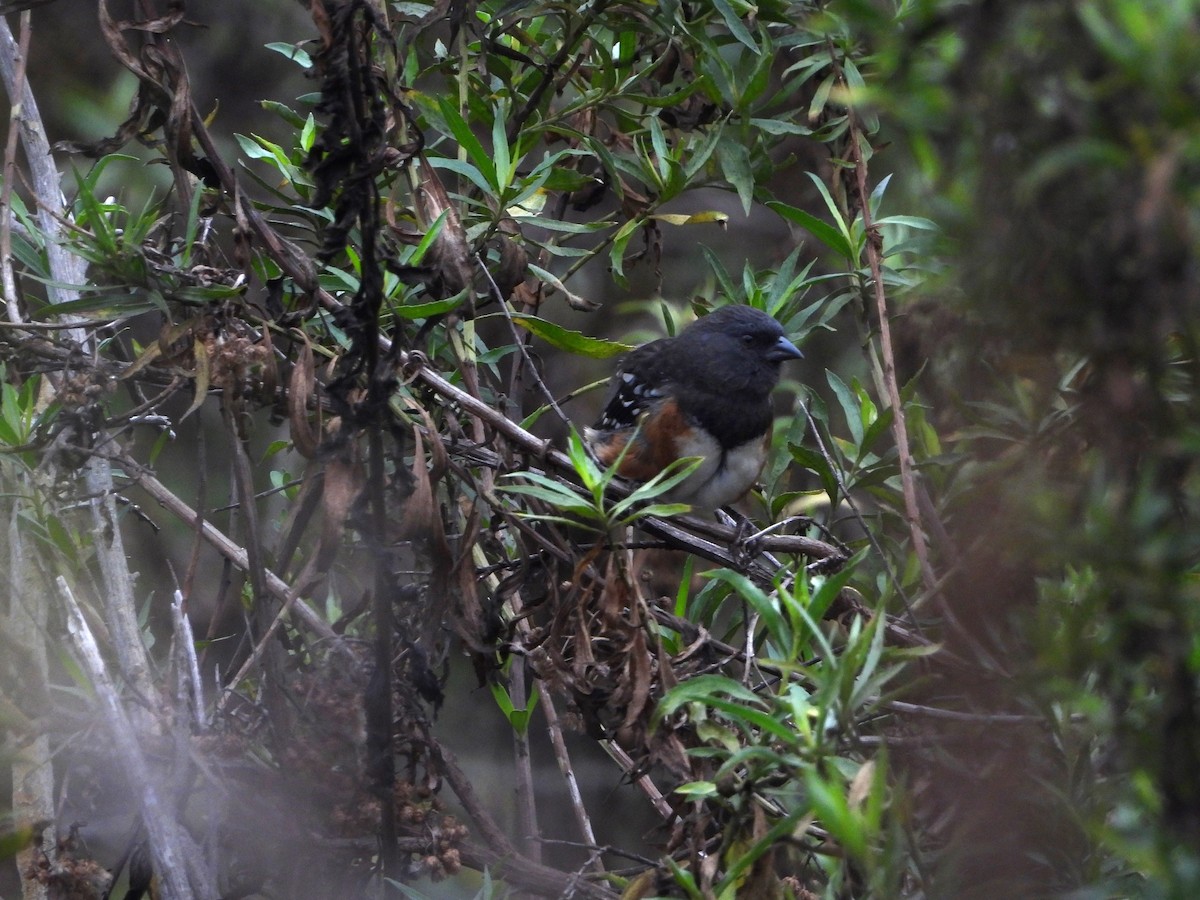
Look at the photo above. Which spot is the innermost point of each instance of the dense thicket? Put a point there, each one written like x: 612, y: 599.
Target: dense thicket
x: 311, y: 588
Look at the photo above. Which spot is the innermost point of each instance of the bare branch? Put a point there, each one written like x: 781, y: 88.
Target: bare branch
x: 178, y: 861
x: 274, y: 585
x: 908, y: 475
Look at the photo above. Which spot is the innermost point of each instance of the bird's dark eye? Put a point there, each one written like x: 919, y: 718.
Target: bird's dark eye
x: 747, y: 339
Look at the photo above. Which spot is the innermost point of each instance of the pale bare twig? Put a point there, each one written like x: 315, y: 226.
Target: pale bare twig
x: 10, y: 172
x: 178, y: 861
x: 185, y: 644
x: 32, y: 768
x: 563, y: 757
x: 648, y: 787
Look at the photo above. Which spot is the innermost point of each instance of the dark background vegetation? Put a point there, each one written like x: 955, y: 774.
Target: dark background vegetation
x: 1045, y: 337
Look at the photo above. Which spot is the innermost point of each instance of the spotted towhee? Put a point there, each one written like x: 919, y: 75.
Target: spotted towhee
x: 704, y: 393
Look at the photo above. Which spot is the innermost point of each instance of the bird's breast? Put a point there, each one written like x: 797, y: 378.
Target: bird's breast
x: 723, y: 476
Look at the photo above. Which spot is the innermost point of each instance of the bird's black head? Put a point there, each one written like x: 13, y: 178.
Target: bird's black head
x: 740, y: 346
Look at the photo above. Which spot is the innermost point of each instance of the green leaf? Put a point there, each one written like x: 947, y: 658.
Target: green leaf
x: 724, y: 282
x: 110, y: 304
x: 779, y: 127
x: 550, y: 278
x: 910, y: 222
x: 834, y: 212
x: 293, y: 52
x: 284, y: 112
x: 558, y: 496
x: 502, y: 163
x: 821, y: 230
x: 734, y: 157
x: 745, y: 859
x: 735, y: 25
x: 670, y: 477
x: 662, y: 155
x: 572, y: 341
x: 850, y: 406
x: 821, y: 97
x: 702, y: 689
x: 517, y: 718
x: 684, y: 879
x: 430, y: 309
x: 696, y: 157
x: 749, y: 717
x: 829, y: 586
x: 616, y: 255
x: 588, y: 470
x: 468, y: 170
x: 469, y: 142
x: 764, y: 604
x: 880, y: 425
x: 697, y: 789
x: 427, y: 239
x: 829, y: 803
x: 308, y: 134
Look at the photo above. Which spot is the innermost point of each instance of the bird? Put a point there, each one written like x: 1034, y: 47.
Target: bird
x: 703, y: 393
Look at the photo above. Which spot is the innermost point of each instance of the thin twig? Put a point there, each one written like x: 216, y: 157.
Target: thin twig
x: 491, y: 832
x: 25, y: 626
x: 273, y: 584
x: 648, y: 787
x: 527, y: 817
x: 908, y: 476
x: 518, y: 692
x: 954, y: 715
x: 563, y: 757
x: 68, y: 269
x: 520, y: 341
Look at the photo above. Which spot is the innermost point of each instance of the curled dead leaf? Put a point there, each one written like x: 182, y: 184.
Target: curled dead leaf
x: 345, y: 479
x: 860, y: 785
x: 419, y: 518
x: 300, y: 393
x: 203, y: 374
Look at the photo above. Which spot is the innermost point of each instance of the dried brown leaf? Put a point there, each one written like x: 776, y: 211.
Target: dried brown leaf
x: 345, y: 480
x: 300, y: 391
x: 638, y: 681
x: 451, y: 251
x: 419, y: 518
x: 514, y: 264
x: 268, y: 367
x: 860, y: 785
x: 149, y: 355
x: 202, y: 375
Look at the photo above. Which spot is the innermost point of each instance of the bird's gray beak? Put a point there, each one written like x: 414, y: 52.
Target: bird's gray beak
x: 784, y: 349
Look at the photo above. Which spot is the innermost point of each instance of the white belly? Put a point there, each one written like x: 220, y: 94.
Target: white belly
x: 722, y: 477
